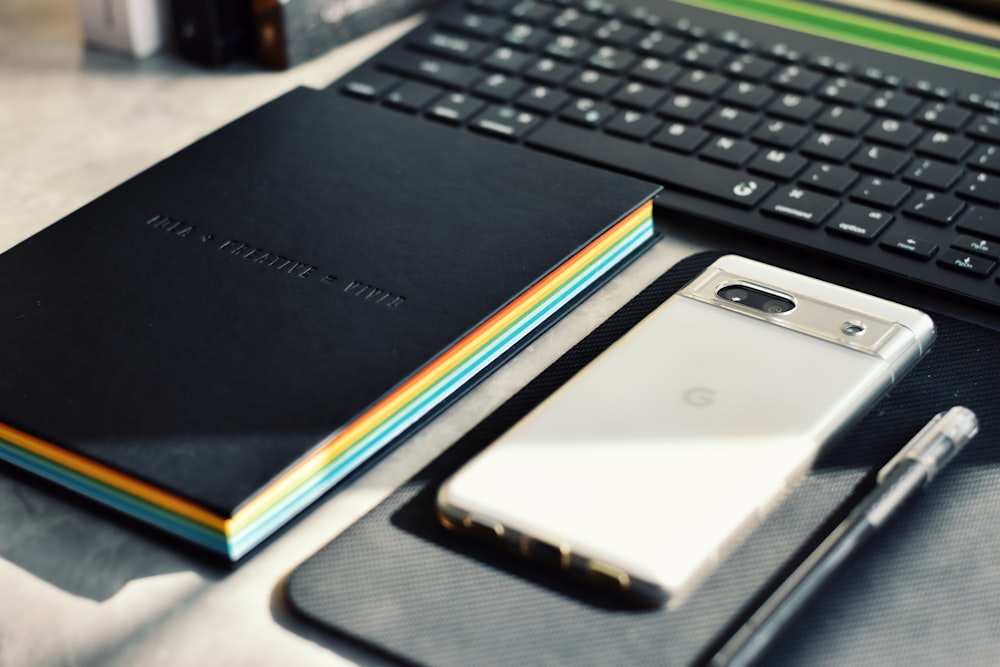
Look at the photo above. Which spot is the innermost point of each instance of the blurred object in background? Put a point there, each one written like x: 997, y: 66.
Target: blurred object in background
x: 212, y: 32
x: 289, y: 32
x: 136, y: 28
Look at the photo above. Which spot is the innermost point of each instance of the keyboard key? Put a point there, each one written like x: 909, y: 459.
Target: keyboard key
x: 785, y: 53
x: 858, y: 223
x: 879, y: 160
x: 617, y: 33
x: 719, y: 183
x: 731, y: 120
x: 943, y: 116
x: 575, y: 22
x: 472, y: 23
x: 588, y: 112
x: 638, y: 95
x: 747, y: 95
x: 507, y: 60
x: 830, y: 147
x: 455, y: 108
x: 543, y: 99
x: 681, y: 138
x: 800, y: 205
x: 981, y: 187
x: 568, y: 47
x: 465, y: 49
x: 526, y: 36
x: 845, y: 91
x: 831, y: 65
x: 655, y: 71
x: 633, y: 125
x: 731, y: 39
x: 778, y: 164
x: 433, y: 70
x: 533, y: 12
x: 844, y: 120
x: 705, y: 56
x: 549, y: 71
x: 980, y: 102
x: 593, y: 83
x: 797, y: 80
x: 980, y: 246
x: 895, y: 133
x: 986, y: 127
x: 828, y: 178
x: 879, y: 77
x: 729, y: 151
x: 492, y: 6
x: 893, y: 103
x: 980, y: 221
x: 751, y: 68
x: 660, y: 45
x: 369, y: 84
x: 988, y: 159
x: 795, y: 107
x: 499, y: 87
x: 911, y: 246
x: 611, y: 59
x: 505, y: 122
x: 932, y: 174
x: 780, y: 134
x: 930, y: 89
x: 685, y: 108
x: 412, y: 96
x: 958, y: 260
x: 880, y: 192
x: 684, y: 26
x: 701, y: 83
x: 951, y: 147
x: 932, y: 207
x: 641, y: 15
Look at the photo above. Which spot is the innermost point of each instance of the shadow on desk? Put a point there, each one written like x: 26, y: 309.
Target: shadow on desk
x: 81, y: 547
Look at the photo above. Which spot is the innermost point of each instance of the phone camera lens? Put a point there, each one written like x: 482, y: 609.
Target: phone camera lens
x: 735, y: 294
x: 775, y: 306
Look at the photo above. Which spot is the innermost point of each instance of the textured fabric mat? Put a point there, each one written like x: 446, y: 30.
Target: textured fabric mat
x: 925, y: 591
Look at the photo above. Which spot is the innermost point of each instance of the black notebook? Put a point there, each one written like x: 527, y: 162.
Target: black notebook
x: 217, y: 342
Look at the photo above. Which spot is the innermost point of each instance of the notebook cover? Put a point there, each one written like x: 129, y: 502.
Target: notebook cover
x: 200, y: 328
x: 924, y: 591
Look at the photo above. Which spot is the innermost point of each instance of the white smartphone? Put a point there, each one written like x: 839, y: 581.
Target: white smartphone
x: 651, y: 464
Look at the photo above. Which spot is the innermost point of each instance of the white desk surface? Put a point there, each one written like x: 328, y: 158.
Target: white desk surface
x: 77, y: 586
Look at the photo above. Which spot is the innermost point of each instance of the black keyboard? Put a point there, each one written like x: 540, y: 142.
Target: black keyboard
x: 873, y: 158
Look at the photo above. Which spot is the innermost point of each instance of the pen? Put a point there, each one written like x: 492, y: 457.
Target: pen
x: 913, y: 467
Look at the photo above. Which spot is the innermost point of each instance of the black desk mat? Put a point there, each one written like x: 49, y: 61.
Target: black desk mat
x: 925, y: 591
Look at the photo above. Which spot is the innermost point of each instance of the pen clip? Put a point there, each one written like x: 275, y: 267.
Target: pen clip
x: 937, y: 442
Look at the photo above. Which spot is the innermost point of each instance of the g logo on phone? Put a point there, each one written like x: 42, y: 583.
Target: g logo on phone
x: 699, y: 397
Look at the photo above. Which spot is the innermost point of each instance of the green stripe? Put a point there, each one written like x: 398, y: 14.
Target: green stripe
x: 865, y: 31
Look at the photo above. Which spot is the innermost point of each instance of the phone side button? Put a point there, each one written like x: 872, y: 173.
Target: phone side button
x: 544, y: 552
x: 609, y: 575
x: 482, y: 528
